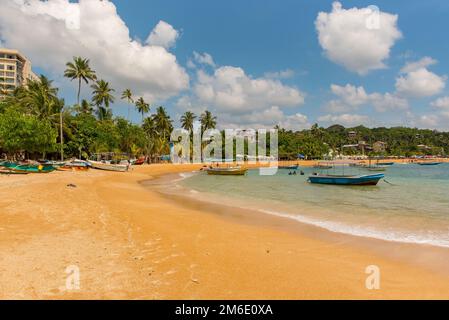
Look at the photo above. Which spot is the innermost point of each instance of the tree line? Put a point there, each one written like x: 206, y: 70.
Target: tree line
x: 36, y: 123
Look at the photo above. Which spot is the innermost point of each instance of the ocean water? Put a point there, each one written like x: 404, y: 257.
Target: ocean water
x: 412, y: 207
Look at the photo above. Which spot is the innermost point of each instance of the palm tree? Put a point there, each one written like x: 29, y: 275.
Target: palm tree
x: 142, y: 107
x: 79, y: 69
x: 102, y: 97
x: 128, y: 96
x: 85, y: 107
x: 187, y: 120
x: 208, y: 121
x: 163, y: 122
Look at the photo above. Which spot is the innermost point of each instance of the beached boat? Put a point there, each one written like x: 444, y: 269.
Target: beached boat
x: 231, y: 171
x: 33, y: 168
x: 10, y: 171
x: 359, y: 180
x: 75, y: 165
x: 139, y: 161
x: 108, y: 166
x: 429, y: 163
x: 291, y: 167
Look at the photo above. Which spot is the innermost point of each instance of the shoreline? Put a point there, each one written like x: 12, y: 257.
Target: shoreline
x: 431, y: 257
x: 132, y: 243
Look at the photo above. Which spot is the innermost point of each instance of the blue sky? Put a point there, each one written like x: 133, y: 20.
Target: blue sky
x: 262, y: 37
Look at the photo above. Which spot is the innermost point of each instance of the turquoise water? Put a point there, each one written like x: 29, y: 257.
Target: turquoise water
x: 413, y: 207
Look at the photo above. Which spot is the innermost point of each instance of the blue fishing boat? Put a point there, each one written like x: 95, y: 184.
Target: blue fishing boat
x: 360, y: 180
x: 429, y: 163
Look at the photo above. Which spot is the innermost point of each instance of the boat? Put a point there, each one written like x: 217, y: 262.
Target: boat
x: 33, y: 168
x: 322, y: 167
x: 139, y: 161
x: 230, y: 171
x: 100, y: 165
x: 386, y: 163
x: 75, y: 165
x: 291, y: 167
x: 429, y: 163
x: 376, y: 168
x: 347, y: 180
x: 10, y: 171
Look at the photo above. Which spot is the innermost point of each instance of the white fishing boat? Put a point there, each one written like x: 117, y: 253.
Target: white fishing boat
x: 103, y: 165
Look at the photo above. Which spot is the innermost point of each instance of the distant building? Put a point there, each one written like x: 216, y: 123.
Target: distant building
x: 352, y: 134
x: 15, y: 70
x: 379, y: 146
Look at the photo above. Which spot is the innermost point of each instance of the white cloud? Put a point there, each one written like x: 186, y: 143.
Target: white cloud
x: 422, y: 63
x: 48, y: 33
x: 352, y: 97
x: 267, y: 118
x: 420, y: 83
x: 442, y: 103
x: 163, y: 35
x: 349, y: 38
x: 347, y: 120
x: 231, y: 89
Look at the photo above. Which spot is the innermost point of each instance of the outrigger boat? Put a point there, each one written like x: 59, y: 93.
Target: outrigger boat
x: 230, y: 171
x: 108, y: 166
x: 33, y: 168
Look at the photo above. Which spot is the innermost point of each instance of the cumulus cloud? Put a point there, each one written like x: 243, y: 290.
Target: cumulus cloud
x: 50, y: 33
x: 346, y: 119
x: 420, y: 83
x: 358, y: 39
x: 163, y: 35
x: 231, y: 89
x: 416, y: 65
x: 350, y: 98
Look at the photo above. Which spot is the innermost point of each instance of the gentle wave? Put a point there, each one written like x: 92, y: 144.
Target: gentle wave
x: 361, y: 232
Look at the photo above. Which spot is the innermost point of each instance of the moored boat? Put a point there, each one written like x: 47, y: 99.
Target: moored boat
x: 231, y: 171
x: 429, y: 163
x: 357, y: 180
x: 291, y: 167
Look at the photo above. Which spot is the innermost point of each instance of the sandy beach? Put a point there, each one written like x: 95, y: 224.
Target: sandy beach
x: 131, y: 242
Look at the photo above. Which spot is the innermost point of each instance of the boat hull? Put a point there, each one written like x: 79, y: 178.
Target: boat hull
x: 367, y: 180
x: 429, y: 163
x: 108, y: 167
x: 294, y: 167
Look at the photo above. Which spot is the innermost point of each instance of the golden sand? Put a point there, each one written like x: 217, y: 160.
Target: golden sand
x: 130, y: 242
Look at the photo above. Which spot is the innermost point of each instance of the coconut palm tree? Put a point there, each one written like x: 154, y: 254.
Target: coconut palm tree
x: 142, y: 107
x: 79, y: 69
x: 187, y: 120
x: 128, y: 96
x: 85, y: 107
x: 102, y: 97
x: 208, y: 121
x: 163, y: 122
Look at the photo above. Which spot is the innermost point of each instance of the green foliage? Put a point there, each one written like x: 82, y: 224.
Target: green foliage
x: 25, y: 132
